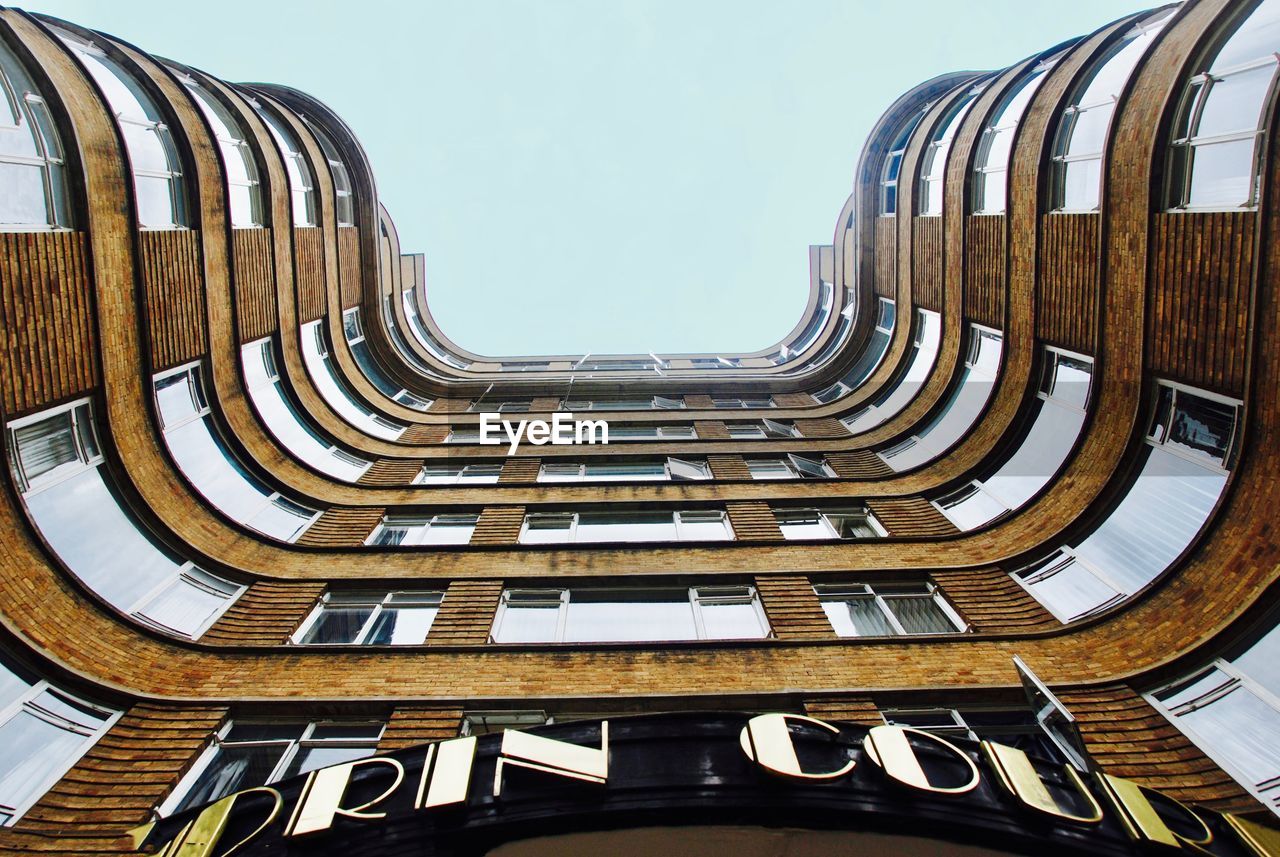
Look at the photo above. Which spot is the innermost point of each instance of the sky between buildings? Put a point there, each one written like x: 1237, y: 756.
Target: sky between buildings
x: 604, y: 175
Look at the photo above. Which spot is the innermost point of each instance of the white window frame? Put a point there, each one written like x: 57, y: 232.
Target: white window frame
x: 200, y: 93
x: 1163, y: 443
x: 789, y: 462
x: 616, y: 433
x: 1268, y: 791
x: 58, y: 210
x: 403, y: 397
x: 458, y: 473
x: 26, y: 703
x: 196, y: 369
x: 419, y: 522
x: 189, y: 780
x: 929, y: 591
x: 698, y: 596
x: 755, y: 403
x: 824, y: 517
x: 62, y: 472
x: 572, y: 529
x: 667, y: 465
x: 271, y: 371
x: 380, y: 601
x: 189, y: 574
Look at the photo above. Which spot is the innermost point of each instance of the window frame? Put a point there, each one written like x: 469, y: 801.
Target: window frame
x: 218, y: 740
x: 574, y: 517
x: 698, y: 597
x: 50, y: 153
x: 24, y: 703
x: 824, y: 516
x: 381, y: 601
x: 424, y: 522
x: 929, y: 591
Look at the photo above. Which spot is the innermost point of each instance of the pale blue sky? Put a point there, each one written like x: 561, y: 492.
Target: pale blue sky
x: 591, y: 175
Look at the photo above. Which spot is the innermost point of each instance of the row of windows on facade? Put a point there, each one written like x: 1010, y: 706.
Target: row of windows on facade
x: 659, y: 403
x: 32, y: 165
x: 1214, y: 157
x: 632, y: 614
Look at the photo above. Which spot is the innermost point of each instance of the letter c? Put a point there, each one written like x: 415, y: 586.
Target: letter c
x: 767, y: 741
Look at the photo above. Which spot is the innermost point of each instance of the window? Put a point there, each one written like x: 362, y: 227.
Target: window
x: 301, y: 187
x: 635, y: 431
x: 489, y: 722
x: 869, y: 359
x: 407, y: 531
x: 828, y: 524
x: 333, y: 388
x: 1182, y: 477
x: 1215, y: 154
x: 991, y: 166
x: 762, y: 429
x: 928, y: 337
x: 43, y: 732
x: 1064, y: 393
x: 652, y: 403
x: 962, y: 408
x: 1084, y: 126
x: 516, y: 406
x: 893, y: 163
x: 789, y: 467
x: 353, y: 330
x: 826, y: 299
x: 72, y: 503
x: 370, y: 619
x: 735, y: 402
x: 626, y: 526
x: 158, y: 186
x: 244, y: 191
x: 424, y: 335
x: 344, y: 207
x: 672, y: 469
x: 285, y: 421
x: 32, y: 167
x: 887, y: 609
x: 466, y: 435
x: 197, y: 446
x: 933, y: 164
x: 1013, y: 727
x: 629, y: 615
x: 458, y: 474
x: 248, y: 753
x: 1231, y: 711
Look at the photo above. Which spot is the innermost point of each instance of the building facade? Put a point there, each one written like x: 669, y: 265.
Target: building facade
x: 980, y: 557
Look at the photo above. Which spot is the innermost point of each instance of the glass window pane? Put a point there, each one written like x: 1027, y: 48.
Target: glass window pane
x: 626, y: 527
x: 31, y: 750
x: 337, y: 625
x: 1081, y: 185
x: 187, y: 608
x: 1222, y: 174
x: 22, y: 194
x: 403, y: 626
x: 919, y: 614
x: 1240, y: 730
x: 232, y: 769
x: 857, y: 616
x: 1234, y: 102
x: 449, y: 532
x: 155, y: 201
x: 733, y: 621
x: 616, y: 616
x: 972, y: 509
x: 1257, y: 37
x: 528, y: 624
x: 46, y: 445
x: 314, y: 758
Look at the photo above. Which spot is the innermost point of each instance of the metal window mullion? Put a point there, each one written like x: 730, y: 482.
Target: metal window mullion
x: 695, y: 604
x: 883, y: 605
x: 362, y: 635
x: 562, y: 615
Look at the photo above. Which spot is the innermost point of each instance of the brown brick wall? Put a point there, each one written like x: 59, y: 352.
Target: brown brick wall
x: 520, y: 471
x: 911, y: 516
x: 342, y: 526
x: 845, y: 709
x: 1067, y: 292
x: 926, y: 262
x: 392, y: 471
x: 466, y: 614
x: 859, y: 464
x: 824, y: 427
x: 46, y: 331
x: 255, y: 283
x: 349, y: 275
x: 498, y: 525
x: 424, y: 434
x: 1201, y: 284
x: 267, y: 614
x: 753, y: 521
x: 728, y: 467
x: 710, y: 429
x: 308, y: 249
x: 792, y: 606
x: 174, y: 283
x: 884, y: 272
x: 419, y: 724
x: 984, y: 269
